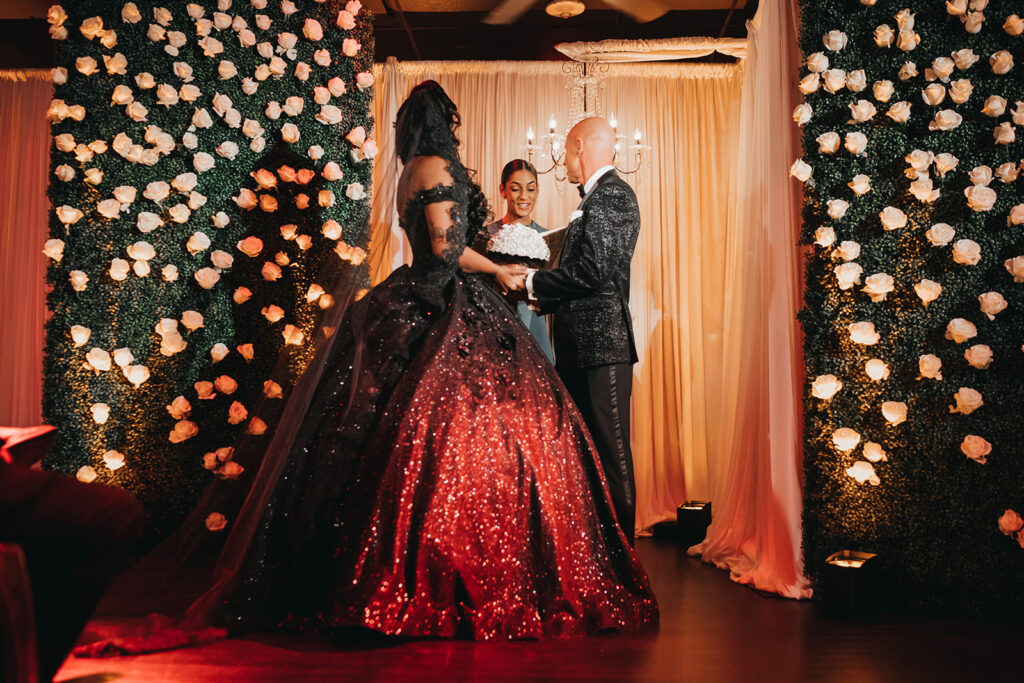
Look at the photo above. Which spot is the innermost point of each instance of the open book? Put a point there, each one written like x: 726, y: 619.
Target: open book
x: 555, y: 239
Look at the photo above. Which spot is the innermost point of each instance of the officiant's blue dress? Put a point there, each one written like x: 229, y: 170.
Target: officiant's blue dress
x: 536, y: 324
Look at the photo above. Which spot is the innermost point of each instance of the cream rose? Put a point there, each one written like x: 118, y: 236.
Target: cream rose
x: 1015, y: 267
x: 930, y: 367
x: 945, y: 119
x: 907, y: 71
x: 290, y: 133
x: 960, y: 330
x: 817, y: 62
x: 836, y: 208
x: 980, y: 175
x: 967, y: 252
x: 876, y: 369
x: 884, y: 35
x: 992, y: 303
x: 848, y: 250
x: 883, y: 90
x: 861, y: 184
x: 943, y: 67
x: 1005, y: 133
x: 877, y: 286
x: 824, y: 236
x: 1010, y: 522
x: 856, y: 143
x: 967, y: 400
x: 923, y: 190
x: 934, y: 94
x: 355, y: 192
x: 833, y: 80
x: 894, y: 412
x: 856, y: 80
x: 979, y: 356
x: 973, y: 22
x: 1013, y: 25
x: 1001, y: 62
x: 329, y: 115
x: 207, y: 277
x: 863, y: 333
x: 976, y: 448
x: 899, y: 112
x: 980, y: 198
x: 892, y: 218
x: 848, y: 274
x: 940, y: 234
x: 1008, y: 172
x: 928, y: 290
x: 960, y: 91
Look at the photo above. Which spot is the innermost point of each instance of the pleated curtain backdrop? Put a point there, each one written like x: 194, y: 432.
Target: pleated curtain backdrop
x: 689, y: 114
x: 25, y: 147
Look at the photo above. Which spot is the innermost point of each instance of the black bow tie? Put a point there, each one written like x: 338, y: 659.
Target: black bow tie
x: 583, y: 193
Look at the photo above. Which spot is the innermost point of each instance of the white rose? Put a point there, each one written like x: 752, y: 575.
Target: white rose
x: 825, y: 386
x: 923, y: 190
x: 960, y: 90
x: 322, y: 57
x: 65, y: 142
x: 848, y: 274
x: 136, y: 112
x: 995, y: 106
x: 252, y: 128
x: 928, y: 291
x: 899, y: 112
x: 834, y: 80
x: 894, y: 412
x: 329, y: 115
x: 810, y: 83
x: 980, y: 175
x: 86, y: 65
x: 882, y: 90
x: 836, y: 208
x: 908, y: 40
x: 828, y: 143
x: 892, y: 218
x: 980, y: 198
x: 992, y: 303
x: 1016, y: 216
x: 824, y: 236
x: 98, y: 360
x: 1015, y: 267
x: 861, y: 184
x: 226, y: 69
x: 856, y: 143
x: 109, y: 208
x: 228, y: 150
x: 207, y: 277
x: 202, y: 162
x: 331, y: 229
x: 908, y: 71
x: 290, y: 133
x: 119, y: 269
x: 945, y: 119
x: 197, y: 243
x: 801, y: 114
x: 877, y: 286
x: 862, y: 111
x: 1007, y: 172
x: 1001, y: 62
x: 944, y: 163
x: 79, y: 280
x: 142, y: 251
x: 1013, y: 25
x: 934, y: 94
x: 960, y: 330
x: 355, y: 192
x: 876, y: 369
x: 68, y: 215
x: 848, y: 250
x: 930, y: 366
x: 845, y: 439
x: 979, y: 356
x: 179, y: 213
x: 1005, y: 133
x: 943, y: 68
x: 973, y: 22
x: 246, y: 199
x: 856, y: 81
x: 976, y: 448
x: 940, y: 234
x: 967, y: 252
x: 221, y: 260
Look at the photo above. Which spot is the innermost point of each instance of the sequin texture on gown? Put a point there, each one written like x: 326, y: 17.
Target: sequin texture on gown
x: 444, y: 483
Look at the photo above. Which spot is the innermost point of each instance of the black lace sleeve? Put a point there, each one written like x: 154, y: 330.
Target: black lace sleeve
x: 456, y: 234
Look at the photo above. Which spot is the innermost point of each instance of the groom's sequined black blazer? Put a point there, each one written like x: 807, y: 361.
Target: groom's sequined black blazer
x: 588, y: 293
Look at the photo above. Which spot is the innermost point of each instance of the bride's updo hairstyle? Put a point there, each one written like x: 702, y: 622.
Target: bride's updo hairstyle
x: 425, y: 126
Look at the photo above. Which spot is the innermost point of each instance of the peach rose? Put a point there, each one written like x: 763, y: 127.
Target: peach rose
x: 1010, y: 522
x: 967, y: 252
x: 940, y: 234
x: 930, y: 366
x: 848, y: 274
x: 966, y: 400
x: 976, y: 448
x: 882, y: 90
x: 980, y: 198
x: 960, y: 330
x: 1015, y: 267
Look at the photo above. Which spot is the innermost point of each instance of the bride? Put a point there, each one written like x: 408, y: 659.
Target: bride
x: 438, y: 480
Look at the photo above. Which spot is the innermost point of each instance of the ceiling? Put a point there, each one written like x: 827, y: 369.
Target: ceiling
x: 447, y: 29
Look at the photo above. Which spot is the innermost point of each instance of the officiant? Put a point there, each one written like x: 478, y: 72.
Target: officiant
x: 519, y: 189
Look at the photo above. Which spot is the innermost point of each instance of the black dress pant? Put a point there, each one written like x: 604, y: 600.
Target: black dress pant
x: 602, y: 394
x: 76, y: 538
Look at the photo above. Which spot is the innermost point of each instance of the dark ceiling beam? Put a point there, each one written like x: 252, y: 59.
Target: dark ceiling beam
x: 728, y: 18
x: 405, y: 25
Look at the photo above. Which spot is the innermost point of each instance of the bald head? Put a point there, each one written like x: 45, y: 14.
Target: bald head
x: 589, y: 146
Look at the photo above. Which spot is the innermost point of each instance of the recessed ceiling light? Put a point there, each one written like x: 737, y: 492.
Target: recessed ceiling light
x: 564, y: 8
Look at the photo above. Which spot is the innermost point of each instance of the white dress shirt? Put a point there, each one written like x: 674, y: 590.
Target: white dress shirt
x: 587, y: 187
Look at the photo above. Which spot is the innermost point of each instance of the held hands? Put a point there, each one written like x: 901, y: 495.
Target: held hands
x: 511, y: 278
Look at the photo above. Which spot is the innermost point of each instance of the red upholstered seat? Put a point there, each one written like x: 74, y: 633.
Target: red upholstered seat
x: 17, y: 621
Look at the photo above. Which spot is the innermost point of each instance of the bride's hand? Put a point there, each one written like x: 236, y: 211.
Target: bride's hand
x: 511, y: 278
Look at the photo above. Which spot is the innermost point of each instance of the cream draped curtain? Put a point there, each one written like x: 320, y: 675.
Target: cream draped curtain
x: 25, y: 135
x: 689, y: 114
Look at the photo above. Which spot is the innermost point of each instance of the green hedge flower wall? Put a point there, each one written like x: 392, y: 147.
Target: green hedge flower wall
x: 210, y: 161
x: 914, y: 308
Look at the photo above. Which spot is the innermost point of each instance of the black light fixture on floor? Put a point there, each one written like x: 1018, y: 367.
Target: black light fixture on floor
x: 692, y: 521
x: 851, y: 585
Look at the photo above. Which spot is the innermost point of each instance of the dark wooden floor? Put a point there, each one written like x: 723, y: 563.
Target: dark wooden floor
x: 711, y: 630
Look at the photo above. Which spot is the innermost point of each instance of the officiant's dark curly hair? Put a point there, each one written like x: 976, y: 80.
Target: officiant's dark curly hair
x: 425, y: 126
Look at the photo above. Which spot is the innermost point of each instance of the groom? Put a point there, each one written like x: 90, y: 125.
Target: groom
x: 588, y: 295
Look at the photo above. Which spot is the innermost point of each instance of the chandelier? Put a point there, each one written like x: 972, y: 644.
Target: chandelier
x: 584, y: 80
